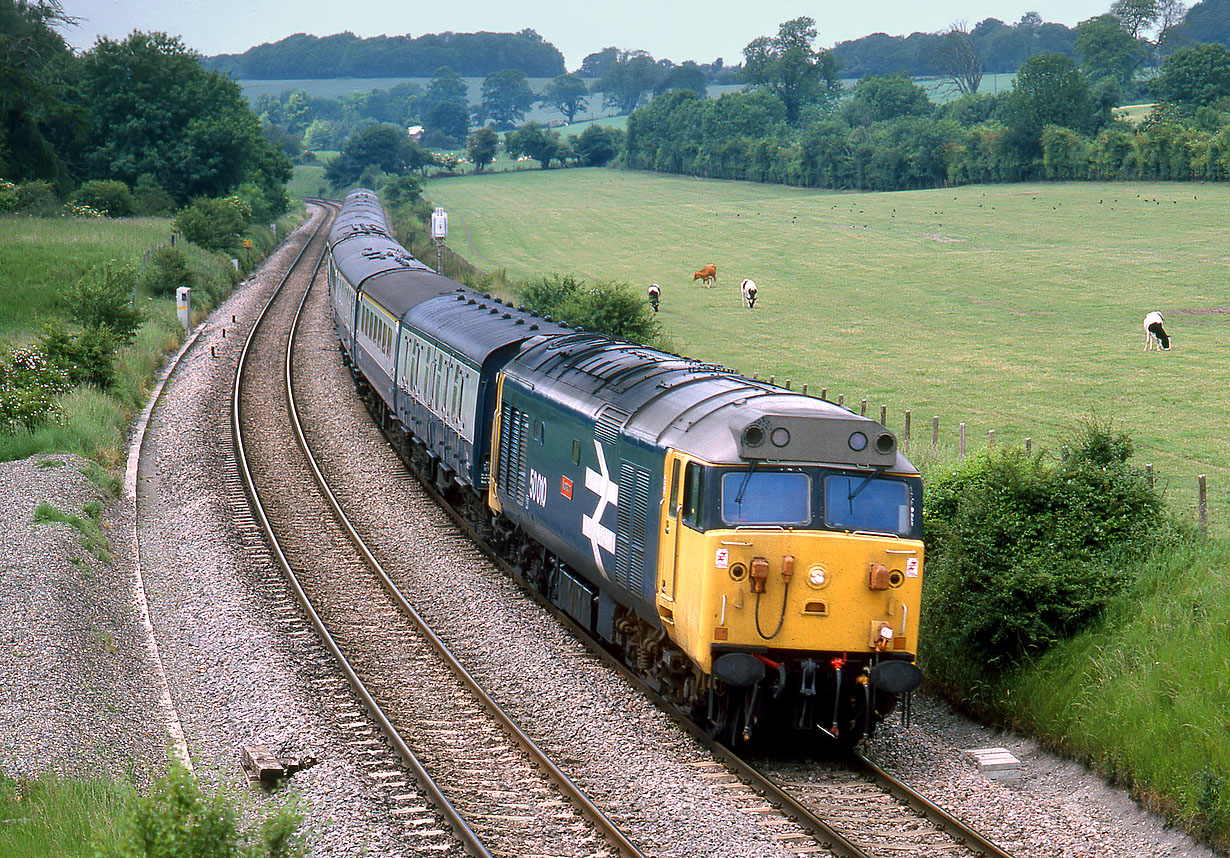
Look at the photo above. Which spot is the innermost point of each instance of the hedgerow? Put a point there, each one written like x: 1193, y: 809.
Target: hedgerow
x: 1025, y: 550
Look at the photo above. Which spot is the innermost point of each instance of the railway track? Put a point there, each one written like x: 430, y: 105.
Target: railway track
x: 478, y: 783
x: 464, y: 782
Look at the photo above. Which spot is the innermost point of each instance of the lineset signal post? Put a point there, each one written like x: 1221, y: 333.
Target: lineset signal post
x: 439, y: 232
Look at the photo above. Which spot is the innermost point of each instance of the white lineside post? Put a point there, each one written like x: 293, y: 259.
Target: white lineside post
x: 183, y: 307
x: 439, y: 232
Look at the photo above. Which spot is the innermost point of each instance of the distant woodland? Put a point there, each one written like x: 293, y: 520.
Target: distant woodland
x: 1000, y: 47
x: 346, y: 55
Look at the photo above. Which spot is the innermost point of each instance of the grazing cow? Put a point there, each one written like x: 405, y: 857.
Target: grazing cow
x: 655, y: 295
x: 1155, y: 334
x: 748, y: 288
x: 707, y: 275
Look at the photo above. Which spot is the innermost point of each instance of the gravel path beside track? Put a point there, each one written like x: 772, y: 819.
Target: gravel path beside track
x: 79, y: 696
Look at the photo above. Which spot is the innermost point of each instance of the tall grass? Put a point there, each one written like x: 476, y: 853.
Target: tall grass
x: 1145, y: 697
x: 49, y: 816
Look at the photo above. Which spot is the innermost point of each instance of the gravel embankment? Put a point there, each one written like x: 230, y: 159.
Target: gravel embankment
x: 79, y: 694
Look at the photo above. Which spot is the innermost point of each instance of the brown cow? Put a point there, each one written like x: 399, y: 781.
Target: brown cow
x: 707, y: 275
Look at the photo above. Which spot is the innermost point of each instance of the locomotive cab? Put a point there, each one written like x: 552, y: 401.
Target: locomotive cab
x: 780, y: 576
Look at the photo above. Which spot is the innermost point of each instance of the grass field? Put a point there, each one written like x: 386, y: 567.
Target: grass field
x: 45, y: 256
x: 1013, y: 308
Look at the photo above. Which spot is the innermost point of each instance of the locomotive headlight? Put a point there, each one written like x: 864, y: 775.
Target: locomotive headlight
x: 817, y: 577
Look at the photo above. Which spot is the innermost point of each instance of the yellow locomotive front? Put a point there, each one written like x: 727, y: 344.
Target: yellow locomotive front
x: 793, y: 578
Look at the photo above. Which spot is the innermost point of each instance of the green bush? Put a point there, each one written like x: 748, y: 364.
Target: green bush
x: 151, y: 198
x: 8, y: 197
x: 167, y: 271
x: 1024, y: 551
x: 38, y: 199
x: 87, y: 357
x: 614, y: 309
x: 30, y: 387
x: 111, y: 198
x: 103, y: 298
x: 178, y: 821
x: 215, y: 223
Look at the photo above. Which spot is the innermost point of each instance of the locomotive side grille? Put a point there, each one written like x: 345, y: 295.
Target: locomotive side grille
x: 514, y: 429
x: 630, y: 529
x: 609, y: 423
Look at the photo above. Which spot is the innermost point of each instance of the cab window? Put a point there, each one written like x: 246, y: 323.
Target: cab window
x: 853, y: 502
x: 691, y: 496
x: 761, y: 497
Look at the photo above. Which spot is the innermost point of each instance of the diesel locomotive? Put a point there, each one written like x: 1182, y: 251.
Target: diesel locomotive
x: 754, y: 554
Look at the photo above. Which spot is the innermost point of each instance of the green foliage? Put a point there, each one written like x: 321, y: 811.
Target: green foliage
x: 37, y: 198
x: 1107, y: 50
x: 214, y: 223
x: 788, y: 66
x: 1048, y: 91
x: 614, y: 309
x: 380, y: 147
x: 110, y: 198
x: 30, y: 388
x: 482, y: 147
x: 627, y: 79
x: 90, y: 527
x: 878, y: 98
x: 567, y: 94
x: 167, y: 272
x: 103, y: 298
x: 1024, y: 552
x: 88, y: 357
x: 347, y: 55
x: 1196, y: 76
x: 507, y: 96
x: 177, y: 820
x: 155, y: 111
x: 597, y: 146
x: 541, y: 144
x: 8, y: 197
x: 150, y: 198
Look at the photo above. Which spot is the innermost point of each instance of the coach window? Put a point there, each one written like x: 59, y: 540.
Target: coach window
x: 692, y: 496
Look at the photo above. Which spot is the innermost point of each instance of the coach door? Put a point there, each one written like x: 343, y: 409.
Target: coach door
x: 668, y: 551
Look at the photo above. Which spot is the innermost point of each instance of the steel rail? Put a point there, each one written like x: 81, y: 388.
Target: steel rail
x: 470, y: 841
x: 565, y: 784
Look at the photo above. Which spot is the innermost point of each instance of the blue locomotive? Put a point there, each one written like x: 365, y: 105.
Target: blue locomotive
x: 753, y: 553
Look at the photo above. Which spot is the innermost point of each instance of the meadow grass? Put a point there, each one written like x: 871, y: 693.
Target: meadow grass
x: 1013, y: 308
x: 41, y: 257
x: 1145, y: 697
x: 50, y: 816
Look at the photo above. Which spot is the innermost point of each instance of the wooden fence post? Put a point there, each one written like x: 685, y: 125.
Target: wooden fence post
x: 841, y: 400
x: 1202, y: 504
x: 990, y: 439
x: 824, y: 394
x: 1149, y: 475
x: 961, y: 442
x: 805, y: 388
x: 883, y: 415
x: 907, y: 430
x: 935, y: 435
x: 1029, y: 444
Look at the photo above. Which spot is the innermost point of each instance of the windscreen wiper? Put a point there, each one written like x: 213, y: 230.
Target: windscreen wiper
x: 743, y: 486
x: 875, y: 472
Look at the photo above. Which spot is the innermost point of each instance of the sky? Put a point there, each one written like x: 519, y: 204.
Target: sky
x: 667, y: 29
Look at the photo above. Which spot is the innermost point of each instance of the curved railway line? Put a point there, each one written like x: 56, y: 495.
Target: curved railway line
x: 479, y: 782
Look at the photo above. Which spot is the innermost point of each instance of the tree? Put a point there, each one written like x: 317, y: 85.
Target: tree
x: 1048, y: 91
x: 214, y: 223
x: 450, y: 119
x: 154, y: 110
x: 481, y: 148
x: 33, y: 97
x: 597, y: 146
x: 625, y: 81
x: 381, y: 146
x: 878, y: 98
x: 597, y: 63
x: 446, y: 87
x: 1107, y: 49
x: 1194, y: 77
x: 507, y: 96
x: 956, y: 58
x: 566, y: 94
x: 686, y: 76
x: 787, y: 66
x: 541, y: 144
